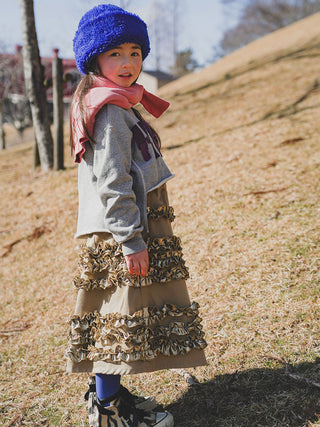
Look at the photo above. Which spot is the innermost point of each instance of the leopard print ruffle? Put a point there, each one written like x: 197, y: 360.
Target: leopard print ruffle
x: 161, y: 212
x: 104, y: 266
x: 144, y: 335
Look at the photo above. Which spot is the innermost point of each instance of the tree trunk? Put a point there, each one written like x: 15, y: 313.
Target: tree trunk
x: 36, y: 157
x: 34, y: 77
x: 57, y: 89
x: 2, y: 134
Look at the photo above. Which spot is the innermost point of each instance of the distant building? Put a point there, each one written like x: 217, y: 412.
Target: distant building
x: 10, y: 63
x: 71, y: 76
x: 12, y: 85
x: 153, y: 80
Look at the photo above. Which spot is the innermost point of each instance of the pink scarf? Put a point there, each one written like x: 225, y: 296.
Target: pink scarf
x: 104, y: 91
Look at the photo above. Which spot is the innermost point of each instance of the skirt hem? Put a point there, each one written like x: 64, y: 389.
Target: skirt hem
x: 191, y: 360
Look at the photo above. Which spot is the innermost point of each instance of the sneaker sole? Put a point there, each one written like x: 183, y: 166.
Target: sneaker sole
x: 167, y: 422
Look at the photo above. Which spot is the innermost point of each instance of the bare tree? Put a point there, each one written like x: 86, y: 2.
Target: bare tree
x: 14, y: 105
x: 124, y: 3
x: 34, y: 78
x: 158, y: 31
x: 176, y: 26
x: 164, y: 30
x: 184, y: 63
x: 5, y: 83
x: 260, y: 17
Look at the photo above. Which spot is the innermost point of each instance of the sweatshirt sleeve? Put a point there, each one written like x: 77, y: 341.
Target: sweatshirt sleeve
x: 111, y: 169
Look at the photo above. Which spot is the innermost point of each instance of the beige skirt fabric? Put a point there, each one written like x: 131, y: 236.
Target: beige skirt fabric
x: 124, y: 324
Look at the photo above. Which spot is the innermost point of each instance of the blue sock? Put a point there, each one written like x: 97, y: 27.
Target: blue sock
x: 107, y: 385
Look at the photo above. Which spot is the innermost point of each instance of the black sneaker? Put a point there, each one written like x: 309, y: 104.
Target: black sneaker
x: 122, y: 412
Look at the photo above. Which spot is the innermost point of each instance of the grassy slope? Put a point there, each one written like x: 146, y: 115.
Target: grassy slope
x: 243, y: 139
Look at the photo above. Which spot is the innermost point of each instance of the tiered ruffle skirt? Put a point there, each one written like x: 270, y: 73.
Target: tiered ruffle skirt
x: 124, y: 324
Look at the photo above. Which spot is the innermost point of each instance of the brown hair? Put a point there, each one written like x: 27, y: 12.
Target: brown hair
x: 82, y: 89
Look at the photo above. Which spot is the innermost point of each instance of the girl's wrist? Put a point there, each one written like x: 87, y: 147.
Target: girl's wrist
x: 134, y: 245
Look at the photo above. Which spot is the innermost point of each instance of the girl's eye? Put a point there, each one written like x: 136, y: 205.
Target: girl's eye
x: 135, y: 54
x: 114, y: 54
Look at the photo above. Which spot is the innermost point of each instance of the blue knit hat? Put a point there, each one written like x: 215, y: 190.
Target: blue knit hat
x: 105, y: 27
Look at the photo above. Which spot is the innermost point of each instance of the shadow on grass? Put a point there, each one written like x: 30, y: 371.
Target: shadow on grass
x: 252, y: 398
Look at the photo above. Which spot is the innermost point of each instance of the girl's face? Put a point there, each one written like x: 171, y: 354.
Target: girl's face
x: 122, y: 64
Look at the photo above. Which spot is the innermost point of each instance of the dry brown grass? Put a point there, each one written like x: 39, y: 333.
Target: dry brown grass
x: 245, y: 149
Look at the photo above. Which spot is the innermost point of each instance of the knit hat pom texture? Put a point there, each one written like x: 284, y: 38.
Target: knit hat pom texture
x: 105, y: 27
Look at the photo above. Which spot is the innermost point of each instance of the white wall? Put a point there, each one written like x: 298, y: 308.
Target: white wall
x: 150, y: 83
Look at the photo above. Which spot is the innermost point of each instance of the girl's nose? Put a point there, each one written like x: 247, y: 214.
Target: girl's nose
x: 126, y: 62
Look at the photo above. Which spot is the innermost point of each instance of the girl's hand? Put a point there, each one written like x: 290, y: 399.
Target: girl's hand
x: 138, y: 263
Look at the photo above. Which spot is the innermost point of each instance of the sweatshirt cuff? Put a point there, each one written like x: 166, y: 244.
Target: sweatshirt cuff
x: 136, y: 244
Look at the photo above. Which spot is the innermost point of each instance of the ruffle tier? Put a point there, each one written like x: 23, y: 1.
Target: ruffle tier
x: 106, y: 260
x: 161, y: 212
x: 140, y: 336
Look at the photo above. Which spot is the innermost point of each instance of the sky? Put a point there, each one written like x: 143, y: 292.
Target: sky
x: 202, y: 24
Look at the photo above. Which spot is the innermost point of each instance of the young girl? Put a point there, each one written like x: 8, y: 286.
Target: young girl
x: 133, y: 312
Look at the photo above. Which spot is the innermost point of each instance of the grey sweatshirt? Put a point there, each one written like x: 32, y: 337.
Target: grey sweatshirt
x: 114, y: 177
